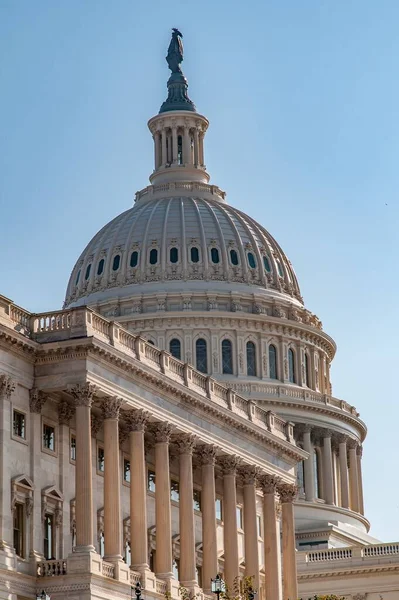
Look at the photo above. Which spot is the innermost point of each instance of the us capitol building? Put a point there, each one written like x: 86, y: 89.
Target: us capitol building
x: 176, y: 419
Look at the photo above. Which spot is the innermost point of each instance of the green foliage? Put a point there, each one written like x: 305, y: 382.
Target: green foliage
x: 327, y: 597
x: 243, y: 589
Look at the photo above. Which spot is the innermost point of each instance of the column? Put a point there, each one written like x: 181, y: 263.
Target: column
x: 174, y: 145
x: 65, y: 414
x: 229, y: 466
x: 343, y: 466
x: 83, y: 395
x: 308, y: 465
x: 328, y: 480
x: 7, y: 386
x: 271, y: 535
x: 353, y: 477
x: 36, y: 403
x: 207, y: 456
x: 249, y: 475
x: 163, y: 519
x: 196, y: 147
x: 157, y: 157
x: 290, y: 584
x: 360, y: 478
x: 187, y: 574
x: 186, y: 146
x: 201, y: 149
x: 136, y: 423
x: 164, y: 158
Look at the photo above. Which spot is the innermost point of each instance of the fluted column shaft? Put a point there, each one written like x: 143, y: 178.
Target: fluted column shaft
x: 308, y: 467
x: 271, y: 537
x: 163, y: 532
x: 290, y: 583
x: 230, y: 539
x: 208, y: 508
x: 251, y: 526
x: 187, y: 573
x: 343, y: 466
x: 328, y: 470
x: 112, y: 494
x: 164, y: 158
x: 186, y: 147
x: 353, y: 480
x: 174, y: 145
x: 360, y: 479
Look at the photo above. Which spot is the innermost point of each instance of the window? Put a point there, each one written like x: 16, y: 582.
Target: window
x: 87, y: 274
x: 77, y: 278
x: 48, y: 546
x: 227, y: 357
x: 72, y: 447
x: 100, y: 267
x: 219, y: 509
x: 175, y: 348
x: 18, y: 520
x: 174, y: 491
x: 197, y: 500
x: 174, y: 255
x: 116, y: 262
x: 272, y: 362
x: 153, y: 256
x: 300, y: 477
x: 134, y: 259
x: 201, y: 356
x: 266, y: 264
x: 291, y: 365
x: 175, y: 569
x: 126, y: 470
x: 179, y: 150
x: 239, y: 517
x: 48, y: 437
x: 19, y: 424
x: 215, y: 256
x: 151, y: 481
x: 307, y: 371
x: 259, y: 525
x: 280, y: 269
x: 194, y: 254
x: 251, y: 260
x: 234, y: 257
x: 251, y: 359
x: 100, y: 460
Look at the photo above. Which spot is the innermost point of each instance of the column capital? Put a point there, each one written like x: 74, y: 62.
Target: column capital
x: 96, y: 423
x: 207, y: 454
x: 83, y: 393
x: 359, y: 450
x: 341, y: 438
x: 136, y: 420
x: 65, y: 412
x: 352, y: 444
x: 269, y: 483
x: 36, y: 400
x: 287, y: 493
x: 186, y: 443
x: 229, y: 463
x: 111, y: 406
x: 250, y: 474
x: 7, y: 386
x: 162, y: 432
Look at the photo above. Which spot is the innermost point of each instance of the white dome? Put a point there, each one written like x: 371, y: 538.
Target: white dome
x: 196, y: 239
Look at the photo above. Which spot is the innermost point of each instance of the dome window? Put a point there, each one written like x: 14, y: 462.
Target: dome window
x: 234, y: 257
x: 174, y: 255
x: 227, y: 357
x: 100, y: 267
x: 280, y: 269
x: 179, y: 150
x: 215, y: 255
x: 134, y: 259
x: 272, y: 362
x: 87, y: 274
x: 251, y: 260
x: 116, y: 262
x: 291, y: 366
x: 201, y: 359
x: 307, y: 370
x: 153, y: 256
x: 175, y: 348
x: 77, y: 278
x: 251, y: 359
x: 194, y: 254
x: 266, y: 264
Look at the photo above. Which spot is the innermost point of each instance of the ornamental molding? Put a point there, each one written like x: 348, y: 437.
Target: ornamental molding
x: 111, y: 406
x: 7, y: 386
x: 18, y: 344
x: 36, y: 400
x: 345, y: 572
x: 83, y: 393
x: 136, y: 420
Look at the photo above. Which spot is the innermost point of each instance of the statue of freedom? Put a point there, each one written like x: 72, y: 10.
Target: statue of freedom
x: 175, y: 52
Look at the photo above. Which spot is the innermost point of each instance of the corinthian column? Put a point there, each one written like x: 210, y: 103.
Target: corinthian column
x: 343, y: 467
x: 328, y: 468
x: 208, y: 499
x: 353, y: 477
x: 249, y: 476
x: 7, y: 386
x: 83, y: 395
x: 271, y: 537
x: 187, y: 574
x: 308, y: 465
x: 136, y: 423
x: 290, y: 584
x: 229, y: 466
x: 360, y: 478
x: 163, y: 531
x: 36, y: 402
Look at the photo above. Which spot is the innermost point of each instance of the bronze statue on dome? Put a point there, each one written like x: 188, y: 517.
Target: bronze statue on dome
x: 175, y: 51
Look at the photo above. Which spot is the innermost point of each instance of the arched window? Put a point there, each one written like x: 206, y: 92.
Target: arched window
x: 316, y: 471
x: 251, y: 260
x: 280, y: 269
x: 307, y: 370
x: 153, y: 256
x: 116, y: 262
x: 77, y: 278
x: 227, y: 357
x: 194, y: 254
x: 300, y: 477
x: 201, y: 356
x: 134, y: 259
x: 215, y: 255
x: 87, y: 274
x: 272, y: 362
x: 291, y: 365
x: 174, y: 255
x: 175, y: 348
x: 179, y: 150
x: 266, y: 264
x: 251, y: 359
x: 234, y: 257
x: 100, y: 267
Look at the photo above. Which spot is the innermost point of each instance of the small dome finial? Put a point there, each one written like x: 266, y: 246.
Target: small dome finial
x: 177, y: 84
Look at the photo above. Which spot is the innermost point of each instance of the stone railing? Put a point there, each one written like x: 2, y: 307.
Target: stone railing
x: 135, y: 577
x: 161, y: 587
x: 184, y: 186
x: 339, y: 558
x: 108, y: 570
x: 51, y: 568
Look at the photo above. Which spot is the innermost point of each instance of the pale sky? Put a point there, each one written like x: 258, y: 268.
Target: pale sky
x: 303, y: 103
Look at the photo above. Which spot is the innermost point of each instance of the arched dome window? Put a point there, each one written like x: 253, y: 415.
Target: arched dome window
x: 77, y: 278
x: 272, y: 361
x: 307, y: 370
x: 251, y: 359
x: 100, y: 267
x: 234, y: 257
x: 116, y: 262
x: 175, y: 348
x: 291, y: 365
x: 87, y: 274
x: 174, y: 255
x: 215, y: 256
x: 201, y: 358
x: 251, y: 260
x: 280, y: 269
x: 134, y: 259
x: 227, y: 357
x: 194, y: 254
x: 266, y: 264
x: 153, y: 256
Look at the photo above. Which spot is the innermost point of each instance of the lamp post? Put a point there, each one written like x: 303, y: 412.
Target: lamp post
x: 218, y: 586
x: 43, y: 596
x: 137, y: 591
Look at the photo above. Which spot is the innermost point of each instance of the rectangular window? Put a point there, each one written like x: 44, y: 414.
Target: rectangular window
x: 259, y: 525
x: 239, y: 517
x: 197, y: 500
x: 174, y: 491
x: 219, y: 509
x: 175, y: 569
x: 48, y: 437
x: 72, y: 447
x: 48, y: 545
x: 151, y: 481
x: 19, y: 424
x: 100, y: 460
x: 19, y: 530
x: 126, y: 470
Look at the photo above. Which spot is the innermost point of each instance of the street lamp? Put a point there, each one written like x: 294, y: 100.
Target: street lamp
x: 43, y: 596
x: 218, y: 586
x: 137, y: 591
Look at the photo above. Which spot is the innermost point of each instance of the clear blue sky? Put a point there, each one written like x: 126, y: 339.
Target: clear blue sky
x: 303, y: 102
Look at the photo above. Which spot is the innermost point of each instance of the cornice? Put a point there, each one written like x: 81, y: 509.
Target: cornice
x: 18, y: 344
x: 345, y: 572
x: 336, y: 509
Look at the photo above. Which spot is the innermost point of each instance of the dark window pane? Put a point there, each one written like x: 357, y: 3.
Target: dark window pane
x: 153, y: 256
x: 251, y: 260
x: 251, y: 359
x: 73, y: 447
x: 19, y: 424
x: 215, y: 255
x: 179, y: 150
x: 266, y: 264
x: 87, y: 274
x: 273, y: 362
x: 201, y: 356
x: 100, y: 267
x: 134, y: 258
x: 151, y: 481
x: 307, y: 371
x: 100, y: 460
x: 49, y: 437
x: 194, y: 255
x: 233, y: 257
x: 77, y: 278
x: 280, y: 269
x: 291, y: 366
x: 116, y: 262
x: 227, y: 357
x: 174, y: 255
x: 175, y: 348
x: 126, y: 470
x: 174, y: 491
